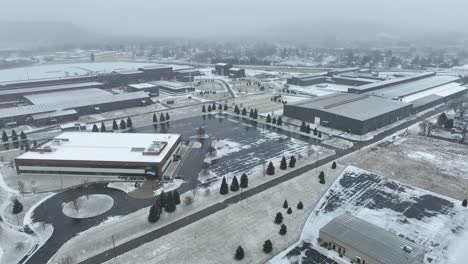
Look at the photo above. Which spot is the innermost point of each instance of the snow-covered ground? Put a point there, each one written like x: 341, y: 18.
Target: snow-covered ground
x: 123, y: 186
x: 438, y: 223
x: 249, y: 223
x: 338, y: 143
x: 85, y: 207
x: 169, y: 186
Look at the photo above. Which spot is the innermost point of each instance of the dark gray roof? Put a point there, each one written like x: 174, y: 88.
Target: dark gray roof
x: 404, y: 89
x: 54, y: 114
x: 355, y: 106
x: 373, y: 241
x: 71, y: 104
x: 50, y: 88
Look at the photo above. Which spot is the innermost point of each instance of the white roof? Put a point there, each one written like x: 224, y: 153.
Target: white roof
x: 56, y: 97
x: 110, y: 147
x: 142, y: 85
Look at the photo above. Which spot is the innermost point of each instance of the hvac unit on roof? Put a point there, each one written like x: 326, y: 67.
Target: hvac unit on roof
x: 407, y: 249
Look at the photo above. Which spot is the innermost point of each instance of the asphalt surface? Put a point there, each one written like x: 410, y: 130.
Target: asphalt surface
x: 135, y: 243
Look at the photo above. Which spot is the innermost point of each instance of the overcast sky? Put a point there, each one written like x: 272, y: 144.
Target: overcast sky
x: 236, y: 17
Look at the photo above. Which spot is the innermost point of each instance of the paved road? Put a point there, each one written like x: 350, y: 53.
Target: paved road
x: 132, y: 244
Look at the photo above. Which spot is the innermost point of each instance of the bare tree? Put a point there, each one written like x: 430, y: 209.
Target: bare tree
x: 85, y: 184
x: 207, y: 192
x: 66, y: 260
x: 459, y: 106
x: 201, y: 131
x: 205, y: 168
x: 76, y: 204
x: 463, y: 134
x: 211, y: 150
x: 21, y: 187
x: 19, y: 246
x: 194, y: 191
x: 188, y: 200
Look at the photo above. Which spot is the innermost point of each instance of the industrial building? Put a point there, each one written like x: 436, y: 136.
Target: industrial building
x: 101, y: 154
x: 173, y: 87
x: 365, y: 243
x: 352, y: 80
x: 186, y: 74
x: 383, y: 84
x: 55, y: 117
x: 236, y: 73
x: 23, y: 114
x: 306, y: 80
x: 157, y: 72
x: 56, y: 97
x: 355, y: 113
x: 222, y: 68
x: 18, y: 93
x: 150, y: 88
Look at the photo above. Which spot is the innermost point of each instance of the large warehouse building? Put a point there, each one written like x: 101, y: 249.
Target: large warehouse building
x: 366, y: 243
x: 101, y: 154
x: 358, y: 114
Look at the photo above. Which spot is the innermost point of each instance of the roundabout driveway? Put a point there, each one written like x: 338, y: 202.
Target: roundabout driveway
x: 65, y: 228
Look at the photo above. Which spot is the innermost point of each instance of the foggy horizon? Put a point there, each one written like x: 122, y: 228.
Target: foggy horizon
x: 262, y: 19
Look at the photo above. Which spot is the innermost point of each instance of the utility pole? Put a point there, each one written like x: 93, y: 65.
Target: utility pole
x: 113, y: 247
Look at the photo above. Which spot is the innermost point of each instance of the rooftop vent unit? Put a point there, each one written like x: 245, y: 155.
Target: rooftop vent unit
x: 407, y: 249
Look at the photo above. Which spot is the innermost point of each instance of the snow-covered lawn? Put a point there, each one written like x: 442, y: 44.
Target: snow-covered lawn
x: 85, y: 207
x: 249, y: 223
x: 14, y: 245
x: 123, y: 186
x: 169, y: 186
x: 338, y: 143
x: 436, y: 222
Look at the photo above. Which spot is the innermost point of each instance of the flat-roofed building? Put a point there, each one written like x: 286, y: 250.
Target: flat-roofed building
x: 56, y: 97
x: 355, y: 113
x: 236, y: 73
x: 157, y: 72
x: 17, y: 93
x: 365, y: 243
x: 222, y: 68
x: 173, y: 87
x: 101, y: 154
x: 151, y: 88
x: 306, y: 80
x: 55, y: 117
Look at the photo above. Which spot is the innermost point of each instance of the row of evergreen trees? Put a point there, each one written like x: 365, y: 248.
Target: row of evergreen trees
x: 212, y: 107
x: 123, y: 125
x: 305, y: 128
x: 167, y: 201
x: 162, y: 118
x: 275, y: 121
x: 283, y: 165
x: 244, y: 183
x: 15, y: 139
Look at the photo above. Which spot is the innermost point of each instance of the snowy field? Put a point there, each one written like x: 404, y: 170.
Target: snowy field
x: 338, y: 143
x: 436, y: 222
x: 85, y: 207
x: 427, y: 163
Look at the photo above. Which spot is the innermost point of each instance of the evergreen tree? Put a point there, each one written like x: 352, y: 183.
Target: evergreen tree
x: 23, y: 136
x: 168, y: 117
x: 322, y: 177
x: 239, y: 253
x: 163, y: 199
x: 154, y: 213
x: 103, y: 127
x: 114, y: 125
x: 278, y: 218
x: 155, y: 118
x: 465, y: 203
x: 320, y: 134
x: 162, y: 118
x: 267, y: 246
x: 283, y: 230
x: 315, y: 131
x: 268, y: 118
x: 203, y: 109
x: 123, y: 125
x: 27, y: 147
x: 333, y: 165
x: 270, y: 169
x: 255, y: 113
x: 251, y: 113
x: 224, y: 187
x: 307, y: 130
x: 273, y: 121
x: 442, y: 119
x: 279, y: 122
x: 289, y: 211
x: 292, y: 162
x: 220, y: 107
x: 17, y: 207
x: 283, y: 164
x: 225, y: 107
x: 4, y: 137
x: 171, y: 206
x: 303, y: 127
x: 95, y: 128
x: 244, y: 111
x: 244, y: 181
x: 14, y: 138
x: 234, y: 184
x: 129, y: 123
x: 300, y: 205
x: 209, y: 108
x: 285, y: 204
x: 236, y: 110
x: 213, y: 107
x: 176, y: 197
